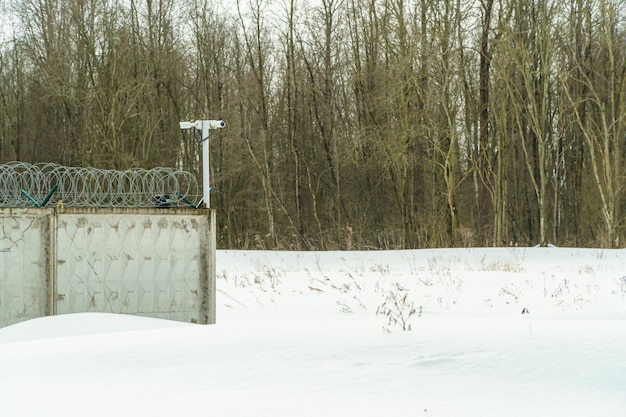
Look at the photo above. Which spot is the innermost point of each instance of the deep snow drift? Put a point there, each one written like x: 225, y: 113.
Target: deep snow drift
x: 298, y: 334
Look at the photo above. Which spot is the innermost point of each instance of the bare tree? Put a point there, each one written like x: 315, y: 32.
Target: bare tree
x: 604, y: 87
x: 12, y: 93
x: 532, y: 95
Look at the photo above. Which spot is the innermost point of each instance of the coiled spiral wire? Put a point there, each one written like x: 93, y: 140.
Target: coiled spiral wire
x: 27, y: 185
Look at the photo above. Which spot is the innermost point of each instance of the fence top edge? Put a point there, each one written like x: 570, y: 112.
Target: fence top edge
x: 12, y: 211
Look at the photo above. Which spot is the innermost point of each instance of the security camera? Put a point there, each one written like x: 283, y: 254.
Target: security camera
x: 216, y: 124
x: 200, y: 124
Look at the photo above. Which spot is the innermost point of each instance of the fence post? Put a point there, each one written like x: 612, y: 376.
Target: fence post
x: 51, y: 279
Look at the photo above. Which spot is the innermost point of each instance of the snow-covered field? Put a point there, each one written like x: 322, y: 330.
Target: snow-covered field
x: 298, y: 334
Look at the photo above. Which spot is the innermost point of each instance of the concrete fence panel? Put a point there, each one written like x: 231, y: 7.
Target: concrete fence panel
x: 24, y: 265
x: 151, y: 262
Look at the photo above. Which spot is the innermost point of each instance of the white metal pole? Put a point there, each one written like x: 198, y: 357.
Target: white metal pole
x: 206, y: 188
x: 204, y: 126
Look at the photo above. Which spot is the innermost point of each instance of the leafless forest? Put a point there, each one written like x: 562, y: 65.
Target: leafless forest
x: 352, y: 124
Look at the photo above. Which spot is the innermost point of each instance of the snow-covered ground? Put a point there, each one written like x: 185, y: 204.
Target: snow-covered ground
x: 298, y: 334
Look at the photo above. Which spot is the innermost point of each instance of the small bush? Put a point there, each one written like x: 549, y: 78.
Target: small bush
x: 398, y: 309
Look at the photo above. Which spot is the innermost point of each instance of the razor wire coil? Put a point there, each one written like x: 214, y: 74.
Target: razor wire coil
x: 27, y: 185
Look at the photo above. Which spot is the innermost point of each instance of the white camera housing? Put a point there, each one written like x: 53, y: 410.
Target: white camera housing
x: 216, y: 124
x: 200, y: 124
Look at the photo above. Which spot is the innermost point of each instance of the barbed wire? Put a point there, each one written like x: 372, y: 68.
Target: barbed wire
x: 27, y: 185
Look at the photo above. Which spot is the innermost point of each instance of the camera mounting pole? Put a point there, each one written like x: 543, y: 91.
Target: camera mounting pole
x: 204, y: 126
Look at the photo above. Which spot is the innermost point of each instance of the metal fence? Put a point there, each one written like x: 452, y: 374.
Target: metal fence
x: 51, y: 185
